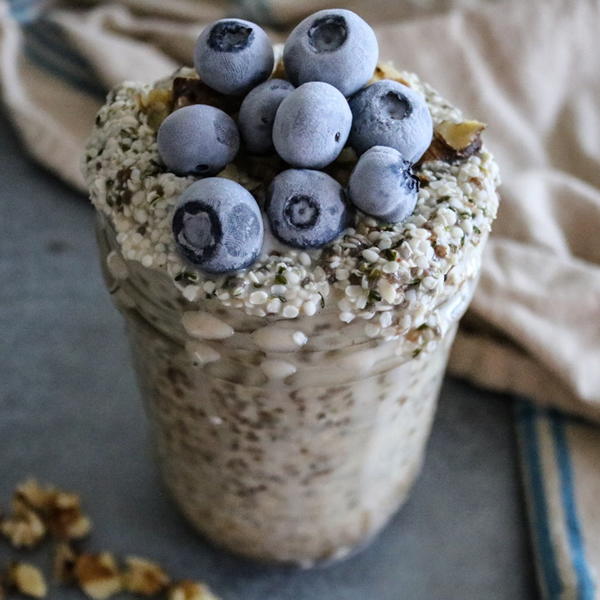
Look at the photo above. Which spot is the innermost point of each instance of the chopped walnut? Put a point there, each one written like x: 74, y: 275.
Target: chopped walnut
x: 27, y: 580
x: 454, y: 141
x: 190, y: 90
x: 279, y: 71
x: 157, y: 104
x: 388, y: 71
x: 190, y: 590
x: 98, y: 575
x: 31, y: 493
x: 65, y: 519
x: 60, y: 511
x: 65, y: 560
x: 24, y: 528
x: 144, y: 577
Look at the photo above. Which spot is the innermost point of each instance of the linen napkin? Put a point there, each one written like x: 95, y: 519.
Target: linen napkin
x: 532, y: 72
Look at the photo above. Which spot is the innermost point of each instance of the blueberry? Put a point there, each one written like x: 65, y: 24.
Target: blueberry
x: 218, y: 225
x: 383, y: 186
x: 198, y: 140
x: 387, y: 113
x: 257, y: 114
x: 335, y: 46
x: 232, y: 56
x: 306, y: 209
x: 312, y: 125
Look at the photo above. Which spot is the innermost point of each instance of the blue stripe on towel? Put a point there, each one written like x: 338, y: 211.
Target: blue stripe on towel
x: 585, y: 582
x: 47, y: 47
x: 527, y: 417
x: 25, y: 11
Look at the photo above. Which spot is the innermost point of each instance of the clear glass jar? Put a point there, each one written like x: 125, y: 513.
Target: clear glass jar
x: 300, y: 465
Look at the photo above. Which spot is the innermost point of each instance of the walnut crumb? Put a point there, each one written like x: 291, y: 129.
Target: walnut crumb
x: 65, y: 519
x: 60, y: 510
x: 279, y: 70
x: 190, y: 90
x: 65, y: 559
x: 24, y: 528
x: 98, y: 575
x: 454, y: 141
x: 157, y: 104
x: 27, y: 580
x: 30, y: 492
x: 388, y: 71
x: 190, y: 590
x: 144, y: 577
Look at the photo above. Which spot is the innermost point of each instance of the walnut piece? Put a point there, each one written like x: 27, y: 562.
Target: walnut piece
x: 31, y: 493
x: 65, y: 519
x: 279, y: 71
x: 27, y: 580
x: 24, y: 528
x: 454, y: 141
x: 388, y: 71
x: 157, y: 104
x: 190, y: 90
x: 98, y: 575
x: 65, y: 559
x: 190, y: 590
x: 144, y: 577
x: 59, y: 510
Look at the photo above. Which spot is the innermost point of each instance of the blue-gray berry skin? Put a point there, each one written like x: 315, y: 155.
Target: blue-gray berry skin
x: 335, y: 46
x: 198, y: 140
x: 218, y: 225
x: 387, y: 113
x: 232, y: 56
x: 306, y: 209
x: 257, y: 114
x: 312, y: 125
x: 382, y: 185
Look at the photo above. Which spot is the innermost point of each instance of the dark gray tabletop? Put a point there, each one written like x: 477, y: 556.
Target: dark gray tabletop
x: 70, y: 414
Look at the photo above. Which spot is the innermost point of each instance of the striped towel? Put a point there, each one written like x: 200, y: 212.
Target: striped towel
x: 559, y: 458
x: 529, y: 69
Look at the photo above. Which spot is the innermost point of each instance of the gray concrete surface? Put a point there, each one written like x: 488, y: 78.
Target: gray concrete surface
x: 70, y: 414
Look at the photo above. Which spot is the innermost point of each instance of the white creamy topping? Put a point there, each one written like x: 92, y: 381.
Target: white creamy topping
x: 277, y: 369
x: 204, y: 326
x: 274, y: 338
x: 202, y: 353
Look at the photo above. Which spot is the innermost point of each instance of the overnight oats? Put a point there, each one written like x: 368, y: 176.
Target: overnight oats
x: 292, y: 242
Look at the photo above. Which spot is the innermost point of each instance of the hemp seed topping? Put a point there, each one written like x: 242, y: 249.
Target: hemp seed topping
x: 366, y: 272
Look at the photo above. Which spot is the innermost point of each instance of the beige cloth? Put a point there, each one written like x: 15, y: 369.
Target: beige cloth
x: 531, y: 70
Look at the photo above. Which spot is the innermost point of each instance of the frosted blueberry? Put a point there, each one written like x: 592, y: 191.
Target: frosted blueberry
x: 312, y: 125
x: 218, y: 226
x: 383, y: 186
x: 387, y: 113
x: 198, y: 140
x: 257, y: 114
x: 335, y: 46
x: 233, y: 55
x: 306, y: 209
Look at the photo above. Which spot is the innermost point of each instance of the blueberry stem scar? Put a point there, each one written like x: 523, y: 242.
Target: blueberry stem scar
x: 230, y: 36
x: 328, y: 33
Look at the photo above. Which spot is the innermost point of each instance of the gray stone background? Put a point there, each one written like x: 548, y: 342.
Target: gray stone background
x: 70, y: 414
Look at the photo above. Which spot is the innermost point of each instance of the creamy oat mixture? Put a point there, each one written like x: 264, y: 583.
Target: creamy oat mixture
x: 372, y: 268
